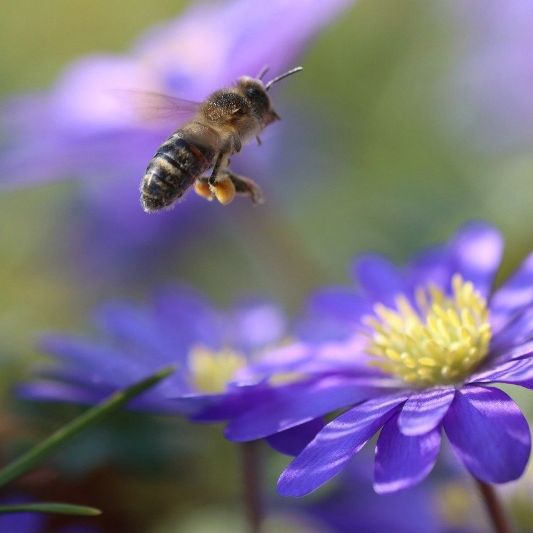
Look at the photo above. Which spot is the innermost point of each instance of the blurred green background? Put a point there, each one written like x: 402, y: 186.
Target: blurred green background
x: 373, y: 163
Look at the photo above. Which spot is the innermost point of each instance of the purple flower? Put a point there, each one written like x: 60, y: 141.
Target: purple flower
x: 91, y: 130
x: 352, y: 506
x: 208, y: 347
x: 86, y: 127
x: 218, y: 359
x: 428, y: 341
x: 22, y: 522
x: 496, y: 73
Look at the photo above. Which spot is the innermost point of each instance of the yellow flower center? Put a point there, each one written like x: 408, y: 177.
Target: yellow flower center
x: 440, y: 342
x: 211, y: 371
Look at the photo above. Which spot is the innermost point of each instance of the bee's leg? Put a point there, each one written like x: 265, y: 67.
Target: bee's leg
x: 258, y: 139
x: 219, y: 182
x: 216, y: 168
x: 246, y: 186
x: 237, y: 144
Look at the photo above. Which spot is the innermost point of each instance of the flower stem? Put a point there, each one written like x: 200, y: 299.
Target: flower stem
x: 251, y: 485
x: 494, y: 507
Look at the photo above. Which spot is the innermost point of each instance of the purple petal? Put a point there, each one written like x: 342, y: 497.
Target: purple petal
x: 316, y: 328
x: 493, y: 76
x: 186, y: 318
x: 334, y: 446
x: 521, y: 350
x: 339, y: 303
x: 424, y: 411
x: 137, y: 331
x: 515, y: 294
x: 216, y: 407
x: 512, y: 336
x: 97, y: 81
x: 51, y: 391
x: 515, y: 372
x: 489, y: 433
x: 402, y: 461
x: 477, y: 250
x: 293, y: 441
x: 209, y: 407
x: 290, y: 358
x: 292, y: 405
x: 379, y: 279
x: 233, y: 39
x: 433, y: 266
x: 346, y: 357
x: 353, y: 507
x: 280, y: 48
x: 100, y: 365
x: 99, y: 362
x: 257, y: 323
x: 22, y: 522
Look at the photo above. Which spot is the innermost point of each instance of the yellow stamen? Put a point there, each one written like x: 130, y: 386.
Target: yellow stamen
x: 284, y: 378
x: 211, y: 371
x: 439, y: 342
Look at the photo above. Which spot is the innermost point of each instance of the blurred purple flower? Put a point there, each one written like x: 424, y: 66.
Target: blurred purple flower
x: 86, y: 126
x: 209, y: 349
x: 495, y: 79
x: 427, y: 340
x: 352, y: 505
x: 22, y: 522
x: 217, y: 355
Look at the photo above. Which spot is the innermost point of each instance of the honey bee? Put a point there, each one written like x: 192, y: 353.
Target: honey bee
x: 219, y: 127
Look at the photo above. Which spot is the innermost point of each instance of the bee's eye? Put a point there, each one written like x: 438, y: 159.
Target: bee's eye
x: 252, y: 92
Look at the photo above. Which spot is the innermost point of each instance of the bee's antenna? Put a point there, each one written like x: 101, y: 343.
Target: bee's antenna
x: 278, y: 78
x: 262, y: 72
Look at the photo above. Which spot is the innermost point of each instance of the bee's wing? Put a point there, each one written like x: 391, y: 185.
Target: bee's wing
x: 152, y: 108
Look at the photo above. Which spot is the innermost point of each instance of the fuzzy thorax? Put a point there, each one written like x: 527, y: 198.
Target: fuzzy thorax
x: 211, y: 370
x: 438, y: 341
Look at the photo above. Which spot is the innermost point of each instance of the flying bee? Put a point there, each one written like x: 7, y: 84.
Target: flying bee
x: 219, y: 127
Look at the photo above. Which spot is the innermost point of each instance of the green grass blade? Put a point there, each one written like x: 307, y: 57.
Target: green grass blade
x: 41, y: 451
x: 50, y: 507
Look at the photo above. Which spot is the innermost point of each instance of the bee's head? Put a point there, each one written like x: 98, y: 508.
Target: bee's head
x: 256, y: 92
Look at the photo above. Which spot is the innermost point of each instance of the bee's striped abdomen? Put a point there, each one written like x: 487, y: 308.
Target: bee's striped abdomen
x: 173, y: 169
